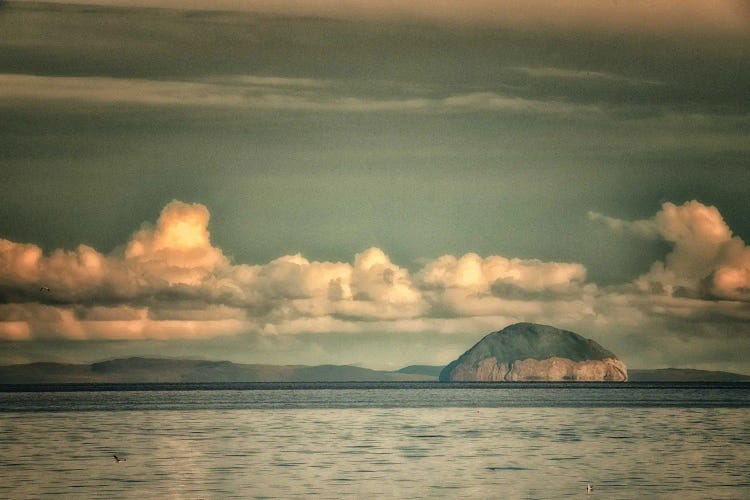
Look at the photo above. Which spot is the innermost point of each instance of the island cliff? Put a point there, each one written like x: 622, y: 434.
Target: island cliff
x: 532, y: 352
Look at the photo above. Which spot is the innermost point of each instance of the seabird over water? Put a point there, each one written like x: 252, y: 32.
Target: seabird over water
x: 44, y: 289
x: 118, y: 459
x: 589, y: 488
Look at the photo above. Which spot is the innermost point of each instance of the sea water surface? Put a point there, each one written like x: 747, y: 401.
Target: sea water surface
x: 376, y: 440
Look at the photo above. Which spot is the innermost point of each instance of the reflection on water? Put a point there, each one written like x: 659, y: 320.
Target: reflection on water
x: 384, y: 452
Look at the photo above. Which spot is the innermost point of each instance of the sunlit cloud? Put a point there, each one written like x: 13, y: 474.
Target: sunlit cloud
x: 170, y: 281
x: 178, y: 249
x: 706, y: 260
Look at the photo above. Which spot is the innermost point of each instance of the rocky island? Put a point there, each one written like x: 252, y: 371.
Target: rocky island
x: 533, y: 352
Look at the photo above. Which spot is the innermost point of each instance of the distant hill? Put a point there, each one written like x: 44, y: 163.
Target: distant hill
x: 685, y: 375
x: 149, y: 370
x: 429, y: 370
x: 530, y: 351
x: 152, y: 370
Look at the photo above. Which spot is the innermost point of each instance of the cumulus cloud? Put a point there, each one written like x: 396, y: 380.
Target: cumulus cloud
x: 178, y: 249
x: 175, y: 251
x: 292, y: 287
x: 170, y: 281
x: 473, y: 271
x: 706, y: 257
x: 76, y: 273
x: 706, y: 260
x: 83, y: 294
x: 495, y: 285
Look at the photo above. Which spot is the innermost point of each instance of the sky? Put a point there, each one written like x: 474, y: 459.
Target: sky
x: 374, y: 183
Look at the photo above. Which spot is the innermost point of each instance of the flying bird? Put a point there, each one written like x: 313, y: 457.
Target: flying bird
x: 118, y: 459
x: 589, y: 488
x: 44, y: 289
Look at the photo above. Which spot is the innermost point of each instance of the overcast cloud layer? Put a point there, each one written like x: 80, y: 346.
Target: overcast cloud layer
x: 634, y: 15
x: 378, y: 183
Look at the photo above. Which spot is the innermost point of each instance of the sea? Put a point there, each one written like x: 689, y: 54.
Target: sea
x: 376, y: 440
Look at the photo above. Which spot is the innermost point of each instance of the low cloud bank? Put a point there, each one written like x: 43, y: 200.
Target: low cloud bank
x: 169, y: 281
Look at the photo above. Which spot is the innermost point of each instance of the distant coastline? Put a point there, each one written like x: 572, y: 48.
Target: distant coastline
x: 155, y: 370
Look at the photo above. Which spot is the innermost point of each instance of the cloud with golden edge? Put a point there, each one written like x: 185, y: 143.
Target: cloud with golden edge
x: 170, y: 281
x: 706, y: 261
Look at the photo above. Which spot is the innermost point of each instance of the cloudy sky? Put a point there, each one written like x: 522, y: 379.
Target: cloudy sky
x: 373, y: 182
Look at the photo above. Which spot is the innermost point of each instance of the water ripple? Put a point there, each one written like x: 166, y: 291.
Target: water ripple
x: 399, y: 452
